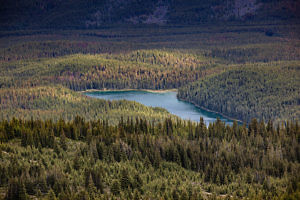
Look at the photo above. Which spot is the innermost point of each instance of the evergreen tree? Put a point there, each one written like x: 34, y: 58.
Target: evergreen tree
x: 136, y: 195
x: 115, y: 188
x: 22, y: 191
x: 82, y: 195
x: 16, y: 191
x: 184, y: 195
x: 125, y: 182
x: 51, y: 142
x: 91, y: 186
x: 137, y: 182
x: 175, y: 195
x: 63, y: 142
x: 51, y: 195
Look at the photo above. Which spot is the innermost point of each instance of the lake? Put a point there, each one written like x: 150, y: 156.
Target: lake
x: 167, y: 100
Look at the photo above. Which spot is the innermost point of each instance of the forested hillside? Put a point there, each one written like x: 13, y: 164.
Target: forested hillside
x: 163, y: 58
x: 141, y: 69
x: 233, y: 42
x: 138, y: 160
x: 264, y: 91
x: 240, y: 58
x: 56, y: 102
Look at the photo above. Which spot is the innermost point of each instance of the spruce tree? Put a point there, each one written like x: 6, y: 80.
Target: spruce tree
x: 136, y: 195
x: 51, y: 142
x: 63, y: 141
x: 184, y: 195
x: 138, y: 182
x: 115, y: 188
x: 175, y: 195
x: 16, y: 191
x: 82, y: 195
x: 22, y: 192
x: 51, y: 195
x: 125, y: 183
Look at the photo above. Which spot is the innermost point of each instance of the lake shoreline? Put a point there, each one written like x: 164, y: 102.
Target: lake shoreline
x: 127, y: 90
x: 206, y: 109
x: 162, y: 91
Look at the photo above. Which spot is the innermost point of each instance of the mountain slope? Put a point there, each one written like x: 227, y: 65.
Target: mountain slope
x: 92, y: 13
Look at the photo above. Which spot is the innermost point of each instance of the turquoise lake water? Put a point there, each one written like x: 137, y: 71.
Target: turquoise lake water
x: 167, y: 100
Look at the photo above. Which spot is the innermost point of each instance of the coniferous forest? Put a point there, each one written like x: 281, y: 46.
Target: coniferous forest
x: 240, y: 59
x: 137, y: 159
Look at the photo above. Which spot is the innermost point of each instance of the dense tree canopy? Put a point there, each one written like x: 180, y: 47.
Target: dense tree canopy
x: 56, y: 143
x: 265, y: 91
x: 57, y: 102
x: 139, y: 159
